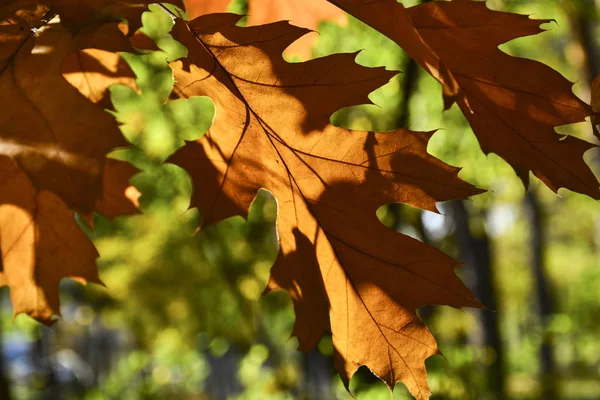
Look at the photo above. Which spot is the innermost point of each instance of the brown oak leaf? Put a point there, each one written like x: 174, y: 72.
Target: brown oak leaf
x: 344, y: 270
x: 53, y: 146
x: 40, y: 244
x: 513, y: 104
x: 40, y: 241
x: 62, y: 155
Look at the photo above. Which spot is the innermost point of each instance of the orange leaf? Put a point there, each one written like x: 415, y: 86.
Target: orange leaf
x: 512, y: 104
x: 306, y: 14
x: 63, y: 155
x: 344, y: 270
x: 196, y: 8
x: 53, y: 146
x: 40, y: 244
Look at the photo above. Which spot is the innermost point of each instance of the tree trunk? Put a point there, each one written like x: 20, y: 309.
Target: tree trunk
x: 583, y: 18
x: 537, y: 236
x: 4, y: 383
x: 317, y: 376
x: 475, y: 249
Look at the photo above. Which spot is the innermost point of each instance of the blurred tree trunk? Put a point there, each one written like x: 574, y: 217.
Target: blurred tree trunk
x: 475, y: 249
x: 317, y: 376
x: 4, y: 384
x: 545, y: 300
x: 408, y: 86
x: 44, y: 361
x: 583, y: 17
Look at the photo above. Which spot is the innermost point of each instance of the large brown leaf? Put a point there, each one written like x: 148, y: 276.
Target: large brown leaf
x: 344, y: 270
x: 512, y: 104
x: 306, y: 14
x: 53, y: 146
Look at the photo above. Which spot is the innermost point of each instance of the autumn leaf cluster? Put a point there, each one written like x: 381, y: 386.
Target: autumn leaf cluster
x: 345, y: 272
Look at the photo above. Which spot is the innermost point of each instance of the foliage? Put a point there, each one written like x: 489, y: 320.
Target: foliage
x: 271, y: 130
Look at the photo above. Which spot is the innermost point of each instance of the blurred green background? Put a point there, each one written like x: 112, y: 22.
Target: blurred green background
x: 183, y: 316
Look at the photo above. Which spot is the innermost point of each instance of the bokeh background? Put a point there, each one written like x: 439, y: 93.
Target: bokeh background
x: 183, y: 316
